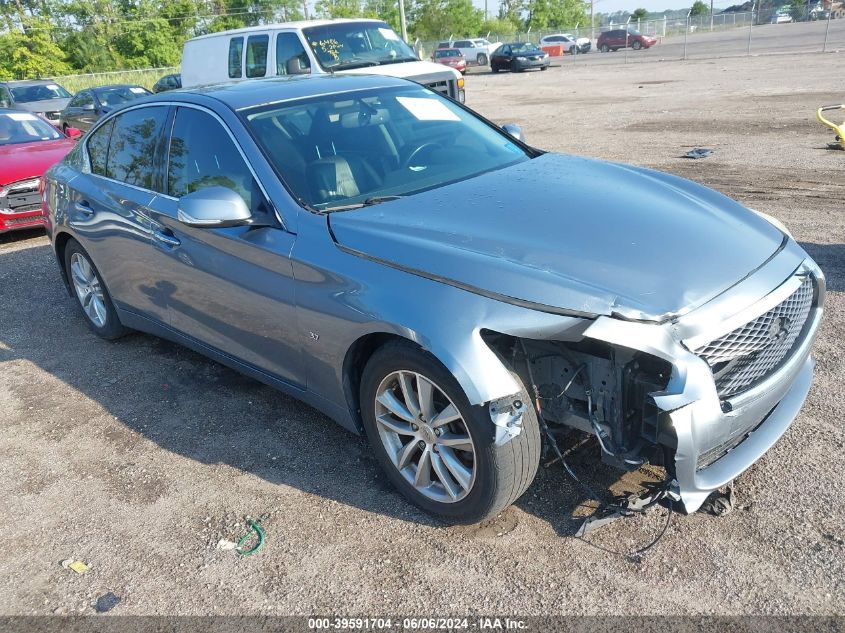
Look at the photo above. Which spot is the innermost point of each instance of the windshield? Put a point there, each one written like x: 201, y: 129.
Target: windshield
x: 356, y: 45
x: 524, y: 48
x: 633, y: 32
x: 43, y: 92
x: 23, y: 127
x: 448, y: 53
x: 120, y: 94
x: 337, y: 152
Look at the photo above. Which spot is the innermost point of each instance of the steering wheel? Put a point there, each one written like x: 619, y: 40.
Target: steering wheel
x: 428, y: 145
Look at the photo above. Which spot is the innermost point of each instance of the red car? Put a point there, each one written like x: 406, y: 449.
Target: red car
x: 29, y: 145
x: 451, y: 57
x: 614, y: 40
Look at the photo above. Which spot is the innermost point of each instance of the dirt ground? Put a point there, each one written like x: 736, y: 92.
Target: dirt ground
x: 138, y: 456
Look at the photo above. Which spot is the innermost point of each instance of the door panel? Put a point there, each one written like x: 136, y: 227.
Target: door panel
x: 230, y: 288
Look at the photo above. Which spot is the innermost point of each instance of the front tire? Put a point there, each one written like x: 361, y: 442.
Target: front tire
x: 436, y: 448
x: 494, y: 68
x: 91, y: 294
x: 637, y: 45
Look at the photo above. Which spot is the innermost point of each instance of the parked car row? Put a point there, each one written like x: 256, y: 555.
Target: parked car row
x: 40, y: 122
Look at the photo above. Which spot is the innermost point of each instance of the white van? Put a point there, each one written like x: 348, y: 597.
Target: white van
x: 311, y: 47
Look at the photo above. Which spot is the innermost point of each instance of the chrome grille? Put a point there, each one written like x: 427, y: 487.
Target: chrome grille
x: 439, y: 86
x: 751, y: 352
x: 21, y: 196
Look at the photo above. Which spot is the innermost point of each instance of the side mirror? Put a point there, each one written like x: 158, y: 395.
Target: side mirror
x: 213, y: 207
x: 514, y: 130
x: 88, y: 107
x: 73, y: 132
x: 294, y: 67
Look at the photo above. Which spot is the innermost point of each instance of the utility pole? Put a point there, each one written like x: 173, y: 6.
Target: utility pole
x: 711, y: 16
x: 402, y: 24
x: 592, y: 21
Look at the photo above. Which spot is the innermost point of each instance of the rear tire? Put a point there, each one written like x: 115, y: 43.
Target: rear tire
x: 500, y: 474
x: 604, y: 48
x: 91, y: 293
x: 481, y: 60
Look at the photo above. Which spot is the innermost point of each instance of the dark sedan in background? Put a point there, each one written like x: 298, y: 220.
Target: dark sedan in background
x: 87, y: 106
x: 40, y: 96
x: 519, y: 56
x: 168, y: 82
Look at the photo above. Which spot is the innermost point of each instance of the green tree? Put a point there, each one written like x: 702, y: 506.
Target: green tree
x: 699, y: 8
x: 33, y: 53
x: 436, y: 19
x: 338, y: 8
x: 639, y: 14
x: 544, y: 14
x: 387, y: 10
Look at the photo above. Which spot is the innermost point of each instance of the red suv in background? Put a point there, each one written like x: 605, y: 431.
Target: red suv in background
x: 29, y: 146
x: 614, y: 40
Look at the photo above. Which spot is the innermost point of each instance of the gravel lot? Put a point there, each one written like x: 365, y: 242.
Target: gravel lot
x: 137, y: 457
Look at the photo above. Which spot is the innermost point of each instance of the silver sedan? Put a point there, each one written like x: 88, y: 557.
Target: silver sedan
x: 425, y: 277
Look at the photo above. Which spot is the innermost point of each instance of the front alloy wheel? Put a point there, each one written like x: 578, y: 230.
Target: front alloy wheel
x: 437, y: 449
x: 425, y: 436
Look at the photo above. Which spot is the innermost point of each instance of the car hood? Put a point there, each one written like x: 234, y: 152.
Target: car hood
x: 28, y: 160
x: 421, y: 72
x: 570, y: 235
x: 45, y: 105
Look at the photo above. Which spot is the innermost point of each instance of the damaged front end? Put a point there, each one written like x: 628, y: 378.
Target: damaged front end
x: 701, y: 396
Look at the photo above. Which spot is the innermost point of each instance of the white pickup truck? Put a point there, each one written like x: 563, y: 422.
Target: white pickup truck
x: 477, y: 51
x: 311, y: 47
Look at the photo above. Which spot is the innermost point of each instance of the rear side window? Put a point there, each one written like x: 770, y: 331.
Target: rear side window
x: 236, y: 51
x: 202, y: 155
x: 289, y: 51
x: 256, y: 55
x: 98, y: 148
x: 132, y: 151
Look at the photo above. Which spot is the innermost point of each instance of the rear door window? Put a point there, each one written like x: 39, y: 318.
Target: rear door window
x: 236, y: 53
x: 98, y: 148
x: 134, y: 146
x: 256, y: 55
x: 289, y: 50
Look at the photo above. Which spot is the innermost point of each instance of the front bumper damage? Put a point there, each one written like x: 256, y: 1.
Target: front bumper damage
x: 716, y: 439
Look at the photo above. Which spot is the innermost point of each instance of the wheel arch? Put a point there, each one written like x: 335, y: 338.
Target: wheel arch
x: 60, y: 243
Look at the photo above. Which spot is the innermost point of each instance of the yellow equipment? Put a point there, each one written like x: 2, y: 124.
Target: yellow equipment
x: 839, y: 129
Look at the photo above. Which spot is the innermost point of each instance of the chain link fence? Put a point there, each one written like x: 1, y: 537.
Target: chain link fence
x: 815, y: 29
x: 142, y: 76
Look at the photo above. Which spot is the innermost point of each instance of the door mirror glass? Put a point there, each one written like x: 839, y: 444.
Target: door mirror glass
x: 213, y: 207
x: 514, y: 130
x: 88, y: 107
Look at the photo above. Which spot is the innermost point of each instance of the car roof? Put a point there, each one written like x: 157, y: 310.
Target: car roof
x: 28, y: 82
x: 109, y: 86
x: 299, y: 24
x: 255, y: 92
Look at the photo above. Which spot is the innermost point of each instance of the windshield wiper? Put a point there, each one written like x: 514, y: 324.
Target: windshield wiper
x: 354, y: 63
x: 399, y: 60
x: 366, y: 203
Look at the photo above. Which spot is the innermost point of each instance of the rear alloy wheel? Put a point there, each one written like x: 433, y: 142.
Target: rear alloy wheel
x: 637, y: 45
x: 435, y: 447
x: 481, y: 60
x: 91, y: 293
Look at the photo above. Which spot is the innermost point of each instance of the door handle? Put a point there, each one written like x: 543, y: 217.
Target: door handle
x: 84, y: 208
x: 165, y: 237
